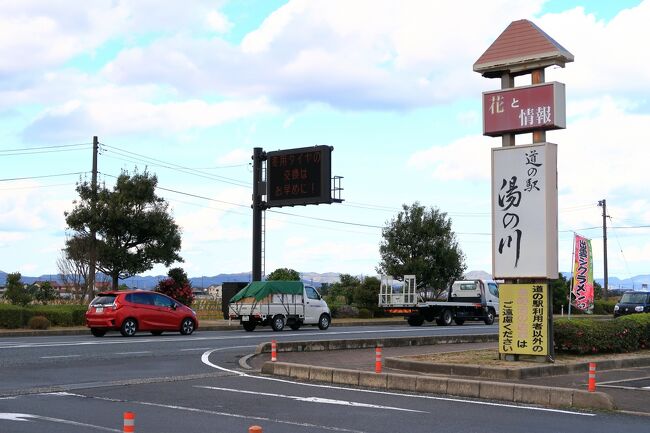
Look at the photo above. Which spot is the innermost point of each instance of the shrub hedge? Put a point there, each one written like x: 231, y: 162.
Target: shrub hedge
x: 604, y: 307
x: 344, y: 311
x: 38, y: 322
x: 624, y: 334
x: 365, y: 313
x: 14, y: 316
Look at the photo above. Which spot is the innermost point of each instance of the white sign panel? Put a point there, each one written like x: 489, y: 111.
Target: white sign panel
x: 524, y: 211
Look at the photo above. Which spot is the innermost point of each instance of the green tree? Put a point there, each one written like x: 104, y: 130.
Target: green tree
x: 420, y: 242
x: 560, y: 290
x: 284, y: 274
x: 179, y: 276
x: 16, y: 292
x: 134, y: 228
x: 366, y: 294
x: 44, y: 292
x: 344, y: 288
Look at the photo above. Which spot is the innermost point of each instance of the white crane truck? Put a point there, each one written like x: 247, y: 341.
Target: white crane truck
x: 466, y: 300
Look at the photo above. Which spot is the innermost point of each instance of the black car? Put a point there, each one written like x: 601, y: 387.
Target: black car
x: 633, y: 302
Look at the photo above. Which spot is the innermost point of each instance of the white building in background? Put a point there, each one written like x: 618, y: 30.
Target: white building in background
x: 214, y: 291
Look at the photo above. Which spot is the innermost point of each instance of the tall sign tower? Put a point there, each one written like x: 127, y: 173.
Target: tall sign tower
x: 524, y: 184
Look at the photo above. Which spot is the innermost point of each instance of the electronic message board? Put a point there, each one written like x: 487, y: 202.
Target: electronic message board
x: 299, y: 176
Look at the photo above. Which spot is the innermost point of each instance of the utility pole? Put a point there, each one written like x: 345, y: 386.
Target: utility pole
x: 93, y: 232
x: 603, y: 204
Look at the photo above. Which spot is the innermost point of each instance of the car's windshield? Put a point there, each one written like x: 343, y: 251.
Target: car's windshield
x: 104, y: 300
x: 634, y: 298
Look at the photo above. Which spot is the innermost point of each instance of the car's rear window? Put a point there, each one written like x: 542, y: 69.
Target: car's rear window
x: 104, y: 300
x: 634, y: 298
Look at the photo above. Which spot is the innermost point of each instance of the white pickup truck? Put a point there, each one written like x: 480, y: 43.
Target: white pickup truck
x: 466, y: 300
x: 276, y: 303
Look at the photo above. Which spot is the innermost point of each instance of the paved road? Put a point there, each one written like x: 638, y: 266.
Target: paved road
x: 175, y: 383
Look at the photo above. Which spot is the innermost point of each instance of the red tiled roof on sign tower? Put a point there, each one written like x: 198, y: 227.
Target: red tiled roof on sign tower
x: 521, y: 47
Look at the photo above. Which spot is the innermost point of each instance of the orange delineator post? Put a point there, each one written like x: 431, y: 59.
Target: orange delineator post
x: 129, y: 422
x: 592, y: 377
x: 254, y: 429
x: 378, y: 359
x: 274, y: 351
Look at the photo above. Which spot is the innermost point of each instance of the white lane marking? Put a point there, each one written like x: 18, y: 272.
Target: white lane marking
x: 132, y: 353
x: 59, y: 356
x: 15, y: 416
x: 205, y: 358
x: 312, y: 399
x: 633, y: 379
x: 212, y: 412
x: 197, y: 348
x: 260, y: 336
x: 30, y: 417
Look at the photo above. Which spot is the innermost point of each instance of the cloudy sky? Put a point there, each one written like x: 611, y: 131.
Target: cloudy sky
x: 188, y: 89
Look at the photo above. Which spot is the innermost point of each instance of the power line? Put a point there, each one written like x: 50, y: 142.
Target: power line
x: 42, y: 177
x: 327, y: 220
x: 45, y: 147
x: 169, y: 165
x: 620, y: 247
x: 189, y: 194
x: 36, y: 186
x: 37, y: 152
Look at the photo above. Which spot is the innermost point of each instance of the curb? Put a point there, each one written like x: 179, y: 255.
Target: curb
x: 517, y: 393
x: 513, y: 373
x: 317, y: 346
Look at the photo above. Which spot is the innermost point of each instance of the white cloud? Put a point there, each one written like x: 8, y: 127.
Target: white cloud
x: 302, y: 253
x: 607, y: 54
x: 367, y: 54
x: 467, y: 158
x: 115, y: 116
x: 23, y: 209
x: 235, y: 156
x: 218, y: 22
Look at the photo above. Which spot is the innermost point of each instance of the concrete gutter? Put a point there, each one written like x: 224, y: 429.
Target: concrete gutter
x: 316, y: 346
x: 513, y: 392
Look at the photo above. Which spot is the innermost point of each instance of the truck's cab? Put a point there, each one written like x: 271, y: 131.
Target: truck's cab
x: 485, y: 292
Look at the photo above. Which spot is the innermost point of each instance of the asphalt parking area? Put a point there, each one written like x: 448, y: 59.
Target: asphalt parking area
x: 640, y: 383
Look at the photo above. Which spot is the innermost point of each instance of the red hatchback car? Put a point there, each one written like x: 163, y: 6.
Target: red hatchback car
x: 130, y: 311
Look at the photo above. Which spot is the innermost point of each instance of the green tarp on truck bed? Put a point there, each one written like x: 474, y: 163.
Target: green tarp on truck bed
x: 261, y: 289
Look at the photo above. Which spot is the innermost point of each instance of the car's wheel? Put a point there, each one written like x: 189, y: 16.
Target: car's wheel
x: 129, y: 327
x: 489, y: 317
x: 156, y: 332
x: 415, y: 320
x: 98, y: 332
x: 278, y: 323
x: 324, y: 322
x: 459, y: 321
x: 249, y: 326
x: 295, y: 326
x: 446, y: 318
x: 187, y: 326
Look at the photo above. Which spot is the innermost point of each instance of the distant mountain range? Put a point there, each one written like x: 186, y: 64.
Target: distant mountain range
x: 149, y: 282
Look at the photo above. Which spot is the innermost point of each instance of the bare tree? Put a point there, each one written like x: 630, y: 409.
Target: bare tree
x: 74, y: 267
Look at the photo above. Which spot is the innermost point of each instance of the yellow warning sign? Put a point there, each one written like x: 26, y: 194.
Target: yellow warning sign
x: 523, y: 328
